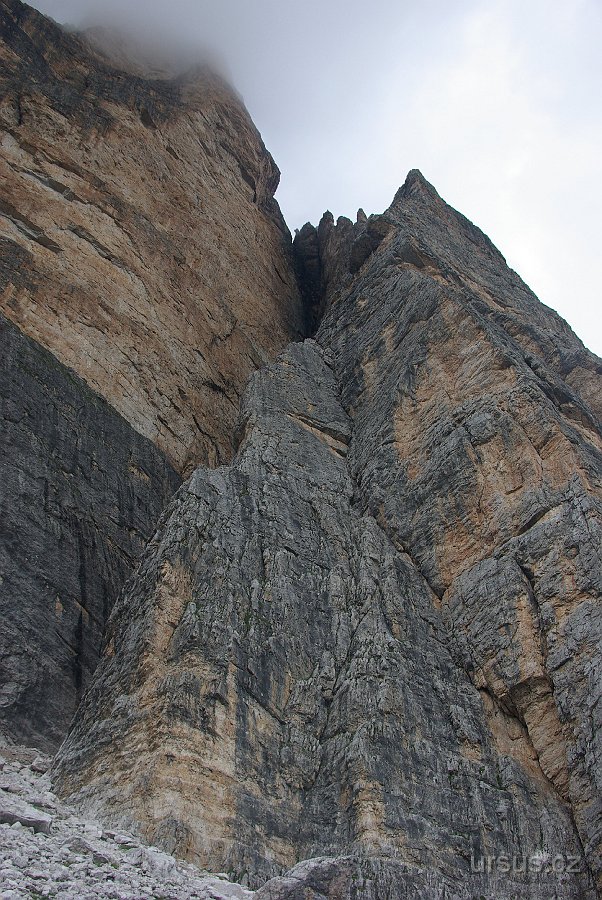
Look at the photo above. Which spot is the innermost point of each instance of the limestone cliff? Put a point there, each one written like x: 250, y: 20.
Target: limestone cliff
x: 141, y: 241
x: 361, y: 654
x: 477, y: 446
x: 145, y: 270
x: 373, y: 641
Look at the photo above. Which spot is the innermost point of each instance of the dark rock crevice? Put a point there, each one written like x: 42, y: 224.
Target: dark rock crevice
x: 308, y: 268
x: 330, y: 253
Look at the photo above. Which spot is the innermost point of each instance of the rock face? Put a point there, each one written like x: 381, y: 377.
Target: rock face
x: 477, y: 447
x: 141, y: 242
x: 81, y: 492
x: 279, y: 685
x: 141, y: 246
x: 362, y: 656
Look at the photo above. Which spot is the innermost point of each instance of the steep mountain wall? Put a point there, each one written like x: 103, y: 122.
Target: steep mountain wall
x: 141, y: 240
x: 373, y: 641
x: 145, y: 270
x: 477, y: 446
x: 364, y: 641
x: 80, y: 495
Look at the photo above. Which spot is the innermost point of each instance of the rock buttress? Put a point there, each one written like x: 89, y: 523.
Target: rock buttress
x: 477, y: 447
x: 279, y: 685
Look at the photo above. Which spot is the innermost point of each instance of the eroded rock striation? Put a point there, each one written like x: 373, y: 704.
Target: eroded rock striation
x: 145, y: 270
x: 477, y: 447
x: 81, y: 492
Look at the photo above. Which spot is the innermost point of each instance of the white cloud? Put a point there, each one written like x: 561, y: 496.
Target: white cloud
x: 501, y: 140
x: 496, y: 101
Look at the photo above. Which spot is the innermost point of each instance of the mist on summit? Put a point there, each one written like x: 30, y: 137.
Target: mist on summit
x: 496, y: 101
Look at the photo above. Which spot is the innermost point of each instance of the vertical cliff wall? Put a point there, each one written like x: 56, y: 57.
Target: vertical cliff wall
x: 145, y: 271
x: 81, y: 492
x: 373, y: 641
x: 364, y: 641
x: 143, y: 245
x: 477, y: 446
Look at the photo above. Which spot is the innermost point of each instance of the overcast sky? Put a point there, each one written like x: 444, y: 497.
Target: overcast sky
x: 497, y: 102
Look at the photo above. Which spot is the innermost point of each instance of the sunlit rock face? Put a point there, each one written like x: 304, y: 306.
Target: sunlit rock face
x: 141, y: 241
x: 372, y: 642
x: 145, y: 271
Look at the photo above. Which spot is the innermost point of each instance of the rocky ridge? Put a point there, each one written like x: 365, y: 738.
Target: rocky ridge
x: 477, y: 446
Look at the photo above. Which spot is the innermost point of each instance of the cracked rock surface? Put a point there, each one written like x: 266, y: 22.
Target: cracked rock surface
x: 141, y: 242
x: 361, y: 656
x: 477, y: 446
x: 80, y: 495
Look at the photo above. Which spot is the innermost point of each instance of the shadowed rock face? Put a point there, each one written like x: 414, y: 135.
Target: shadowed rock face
x: 80, y: 495
x: 141, y: 243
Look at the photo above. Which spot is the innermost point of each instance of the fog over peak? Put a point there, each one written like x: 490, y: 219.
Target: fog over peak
x: 496, y: 101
